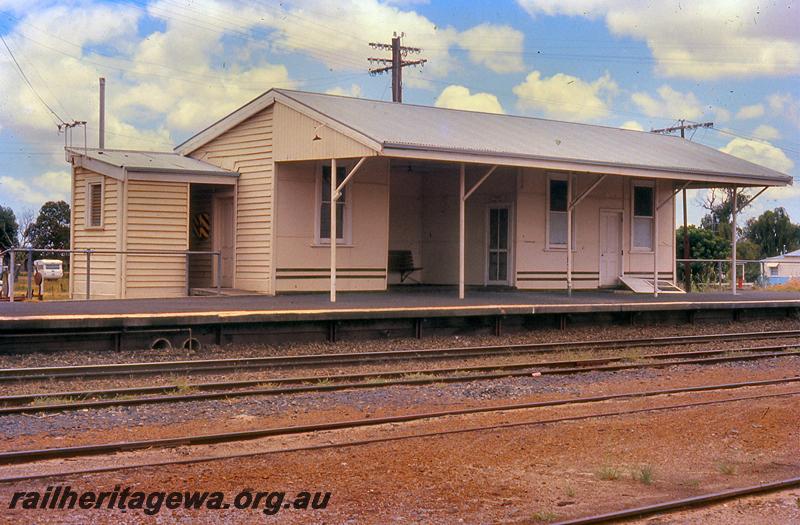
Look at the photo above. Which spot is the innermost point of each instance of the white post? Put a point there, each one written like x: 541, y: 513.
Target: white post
x: 569, y: 235
x: 461, y: 229
x: 11, y: 284
x: 655, y: 239
x: 333, y: 230
x: 733, y: 241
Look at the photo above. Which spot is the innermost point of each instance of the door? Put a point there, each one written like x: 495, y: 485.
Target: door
x: 498, y: 258
x: 610, y: 247
x: 224, y: 238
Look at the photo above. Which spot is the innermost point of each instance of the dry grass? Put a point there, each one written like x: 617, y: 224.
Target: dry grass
x: 53, y: 290
x: 793, y: 285
x: 609, y: 473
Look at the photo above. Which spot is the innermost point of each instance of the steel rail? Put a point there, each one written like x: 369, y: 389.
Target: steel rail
x: 26, y: 456
x: 164, y: 389
x: 388, y: 439
x: 319, y: 383
x: 237, y: 363
x: 684, y: 503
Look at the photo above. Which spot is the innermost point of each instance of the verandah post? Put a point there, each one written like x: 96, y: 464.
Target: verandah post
x: 333, y: 229
x: 461, y: 229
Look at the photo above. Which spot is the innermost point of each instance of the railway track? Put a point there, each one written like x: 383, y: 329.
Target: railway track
x: 358, y: 358
x: 72, y: 400
x: 685, y: 503
x: 28, y: 456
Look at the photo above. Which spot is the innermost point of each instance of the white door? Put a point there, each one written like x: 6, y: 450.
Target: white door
x: 498, y: 258
x: 224, y: 238
x: 610, y: 247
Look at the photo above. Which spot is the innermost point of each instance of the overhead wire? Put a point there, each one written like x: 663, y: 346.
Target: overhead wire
x: 30, y: 85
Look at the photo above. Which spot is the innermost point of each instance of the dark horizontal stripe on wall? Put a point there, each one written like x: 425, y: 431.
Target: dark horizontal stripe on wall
x: 287, y: 277
x: 557, y: 273
x: 646, y: 275
x: 557, y: 279
x: 278, y: 270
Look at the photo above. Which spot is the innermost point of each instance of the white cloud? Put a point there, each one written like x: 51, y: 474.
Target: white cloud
x: 49, y: 186
x: 632, y: 124
x: 748, y: 112
x: 353, y: 91
x: 669, y: 104
x: 459, y: 97
x: 567, y: 97
x: 499, y: 48
x: 701, y: 40
x: 786, y: 106
x: 766, y: 132
x: 758, y: 152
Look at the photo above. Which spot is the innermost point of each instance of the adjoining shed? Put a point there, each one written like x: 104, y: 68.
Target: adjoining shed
x: 464, y: 198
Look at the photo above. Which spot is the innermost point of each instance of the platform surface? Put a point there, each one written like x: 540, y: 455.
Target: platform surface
x: 406, y: 302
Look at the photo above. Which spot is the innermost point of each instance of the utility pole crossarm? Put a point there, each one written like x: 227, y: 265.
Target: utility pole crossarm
x: 683, y: 127
x: 395, y: 64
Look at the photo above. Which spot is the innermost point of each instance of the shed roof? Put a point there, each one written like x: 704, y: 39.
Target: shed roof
x: 407, y: 129
x: 151, y: 161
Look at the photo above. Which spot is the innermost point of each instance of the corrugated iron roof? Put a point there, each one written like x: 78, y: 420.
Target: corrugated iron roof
x: 795, y: 253
x: 152, y: 161
x: 438, y: 129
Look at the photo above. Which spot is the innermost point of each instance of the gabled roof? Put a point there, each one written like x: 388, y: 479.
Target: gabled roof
x: 149, y: 165
x: 410, y: 130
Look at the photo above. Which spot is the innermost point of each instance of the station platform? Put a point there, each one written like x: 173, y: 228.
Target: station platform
x: 402, y: 302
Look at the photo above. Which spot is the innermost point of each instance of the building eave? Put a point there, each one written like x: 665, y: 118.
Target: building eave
x: 508, y: 159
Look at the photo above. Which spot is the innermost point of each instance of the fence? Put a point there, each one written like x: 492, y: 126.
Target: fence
x: 715, y: 273
x: 10, y: 271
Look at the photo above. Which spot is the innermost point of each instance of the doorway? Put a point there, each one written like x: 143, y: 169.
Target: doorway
x: 498, y: 256
x: 610, y: 247
x: 224, y: 238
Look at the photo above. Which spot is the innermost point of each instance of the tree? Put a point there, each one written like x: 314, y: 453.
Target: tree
x: 774, y: 232
x: 719, y: 203
x: 51, y: 229
x: 9, y: 229
x: 25, y: 219
x: 703, y: 244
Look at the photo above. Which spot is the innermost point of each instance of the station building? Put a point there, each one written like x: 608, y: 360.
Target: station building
x: 421, y: 195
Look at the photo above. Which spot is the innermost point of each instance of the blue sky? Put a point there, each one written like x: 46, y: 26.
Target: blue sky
x: 174, y: 66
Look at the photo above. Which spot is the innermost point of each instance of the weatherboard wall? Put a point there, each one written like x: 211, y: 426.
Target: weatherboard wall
x: 104, y: 267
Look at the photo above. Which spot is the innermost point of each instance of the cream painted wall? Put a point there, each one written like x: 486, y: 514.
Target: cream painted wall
x: 104, y: 271
x: 302, y: 265
x: 425, y: 220
x: 541, y: 268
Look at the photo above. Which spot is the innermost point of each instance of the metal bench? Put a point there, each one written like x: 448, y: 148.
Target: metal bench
x: 402, y: 262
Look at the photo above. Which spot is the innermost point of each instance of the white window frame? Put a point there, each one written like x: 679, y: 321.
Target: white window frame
x: 88, y: 216
x: 647, y: 184
x: 347, y: 227
x: 551, y: 246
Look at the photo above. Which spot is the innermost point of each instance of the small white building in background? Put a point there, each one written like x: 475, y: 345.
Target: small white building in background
x: 782, y: 268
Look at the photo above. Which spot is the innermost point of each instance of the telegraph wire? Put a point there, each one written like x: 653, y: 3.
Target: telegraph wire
x: 60, y: 121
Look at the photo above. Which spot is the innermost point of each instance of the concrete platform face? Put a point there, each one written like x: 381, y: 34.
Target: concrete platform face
x: 406, y: 302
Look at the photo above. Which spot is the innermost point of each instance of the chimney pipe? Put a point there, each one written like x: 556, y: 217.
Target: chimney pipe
x: 101, y: 141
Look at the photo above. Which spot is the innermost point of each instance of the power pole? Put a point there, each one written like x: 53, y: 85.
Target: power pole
x: 395, y: 64
x: 687, y: 267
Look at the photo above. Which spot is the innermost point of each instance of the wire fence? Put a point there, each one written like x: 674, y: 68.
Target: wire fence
x: 715, y: 274
x: 16, y: 263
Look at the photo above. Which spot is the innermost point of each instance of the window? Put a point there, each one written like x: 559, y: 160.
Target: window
x: 557, y: 213
x: 773, y: 271
x: 324, y: 225
x: 643, y: 216
x: 94, y: 209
